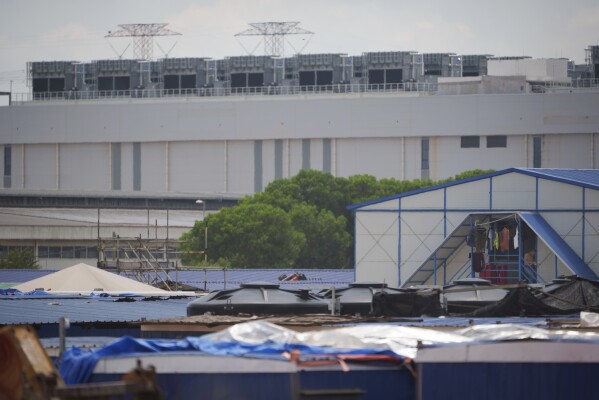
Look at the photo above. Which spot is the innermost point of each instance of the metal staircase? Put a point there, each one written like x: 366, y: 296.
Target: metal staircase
x: 438, y: 259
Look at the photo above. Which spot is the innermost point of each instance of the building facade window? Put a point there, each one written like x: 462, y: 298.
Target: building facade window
x: 137, y: 166
x: 469, y: 142
x: 7, y: 166
x: 537, y: 142
x: 424, y: 163
x: 496, y: 141
x: 257, y: 166
x: 278, y: 158
x: 116, y: 166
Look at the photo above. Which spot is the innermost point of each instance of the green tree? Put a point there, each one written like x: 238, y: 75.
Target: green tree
x: 250, y: 235
x: 327, y: 238
x: 19, y: 259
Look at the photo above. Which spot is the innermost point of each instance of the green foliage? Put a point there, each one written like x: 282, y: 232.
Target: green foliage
x: 250, y: 235
x: 327, y: 239
x: 19, y: 259
x: 300, y: 222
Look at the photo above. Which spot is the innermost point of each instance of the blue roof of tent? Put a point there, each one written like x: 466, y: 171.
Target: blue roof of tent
x: 588, y: 178
x: 554, y: 241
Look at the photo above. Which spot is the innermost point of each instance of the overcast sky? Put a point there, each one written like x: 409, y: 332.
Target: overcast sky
x: 49, y: 30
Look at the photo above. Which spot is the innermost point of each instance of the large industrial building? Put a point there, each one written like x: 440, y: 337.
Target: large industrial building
x: 162, y: 134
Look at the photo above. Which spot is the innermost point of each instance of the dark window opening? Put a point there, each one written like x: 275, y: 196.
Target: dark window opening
x: 238, y: 80
x: 536, y: 151
x: 56, y: 85
x: 255, y: 79
x: 425, y: 154
x: 307, y: 78
x: 470, y: 73
x: 7, y: 160
x: 188, y: 81
x: 432, y: 72
x: 376, y: 76
x: 470, y: 142
x: 42, y: 252
x: 393, y: 75
x: 40, y: 85
x: 121, y: 83
x: 171, y: 82
x: 497, y: 141
x: 324, y: 78
x: 105, y: 83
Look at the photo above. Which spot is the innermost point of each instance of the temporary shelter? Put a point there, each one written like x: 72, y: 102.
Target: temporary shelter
x: 83, y: 278
x: 508, y: 226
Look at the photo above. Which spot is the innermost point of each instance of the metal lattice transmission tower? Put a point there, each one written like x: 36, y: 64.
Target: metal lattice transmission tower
x: 273, y: 34
x: 143, y: 37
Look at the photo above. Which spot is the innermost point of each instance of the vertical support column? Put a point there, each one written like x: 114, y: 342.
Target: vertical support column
x: 57, y: 166
x: 334, y: 157
x: 257, y: 166
x: 435, y: 269
x: 444, y: 213
x: 167, y: 161
x: 583, y: 222
x: 472, y: 248
x: 491, y: 193
x: 399, y: 242
x: 226, y: 169
x: 520, y: 250
x: 555, y: 267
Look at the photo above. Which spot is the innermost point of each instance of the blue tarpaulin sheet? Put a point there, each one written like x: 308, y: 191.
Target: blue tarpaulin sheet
x: 77, y: 365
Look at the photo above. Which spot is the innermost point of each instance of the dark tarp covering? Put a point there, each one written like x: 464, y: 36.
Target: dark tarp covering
x: 407, y: 304
x: 577, y: 295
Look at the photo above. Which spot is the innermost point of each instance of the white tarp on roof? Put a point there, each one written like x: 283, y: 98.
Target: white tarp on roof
x: 83, y: 278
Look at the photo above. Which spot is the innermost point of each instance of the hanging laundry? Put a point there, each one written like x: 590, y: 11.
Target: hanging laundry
x: 496, y: 241
x: 504, y: 239
x: 480, y: 239
x: 478, y: 262
x: 516, y: 239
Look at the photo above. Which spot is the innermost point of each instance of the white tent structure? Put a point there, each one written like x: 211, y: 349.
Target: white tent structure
x: 84, y: 279
x: 423, y: 236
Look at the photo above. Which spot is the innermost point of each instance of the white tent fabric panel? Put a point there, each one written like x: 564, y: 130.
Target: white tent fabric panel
x: 469, y: 195
x: 426, y: 200
x: 421, y: 234
x: 557, y: 195
x: 453, y: 220
x: 591, y: 200
x: 513, y: 191
x: 392, y: 204
x: 377, y: 241
x: 569, y: 226
x: 546, y: 262
x: 454, y: 264
x: 372, y: 271
x: 591, y: 244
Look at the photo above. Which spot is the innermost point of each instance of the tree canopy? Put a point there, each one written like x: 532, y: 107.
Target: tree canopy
x: 19, y: 258
x: 301, y: 222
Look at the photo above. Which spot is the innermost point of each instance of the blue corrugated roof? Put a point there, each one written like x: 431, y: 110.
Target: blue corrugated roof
x: 22, y: 275
x: 581, y: 177
x: 48, y: 310
x: 215, y: 278
x: 588, y: 178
